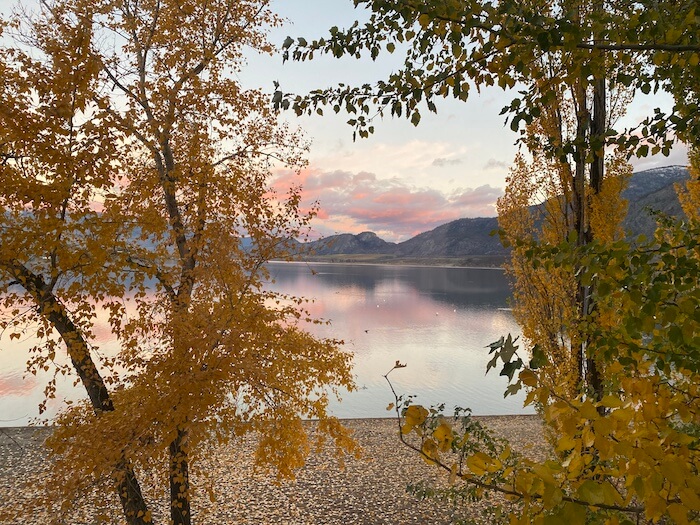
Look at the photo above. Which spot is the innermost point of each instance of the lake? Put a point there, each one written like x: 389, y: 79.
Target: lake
x: 437, y: 321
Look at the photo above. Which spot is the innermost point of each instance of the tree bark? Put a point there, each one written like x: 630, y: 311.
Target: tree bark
x: 127, y: 485
x: 594, y: 379
x: 179, y: 480
x: 579, y: 201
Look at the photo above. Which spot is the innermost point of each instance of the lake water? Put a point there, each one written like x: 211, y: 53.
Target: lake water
x: 437, y: 321
x: 434, y: 320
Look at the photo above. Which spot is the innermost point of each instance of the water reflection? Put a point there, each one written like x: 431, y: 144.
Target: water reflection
x: 435, y: 320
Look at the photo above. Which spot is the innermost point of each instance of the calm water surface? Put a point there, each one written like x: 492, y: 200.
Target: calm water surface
x: 437, y: 321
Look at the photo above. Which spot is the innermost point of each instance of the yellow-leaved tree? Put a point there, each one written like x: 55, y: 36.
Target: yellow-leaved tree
x: 611, y: 323
x: 136, y: 175
x: 550, y: 199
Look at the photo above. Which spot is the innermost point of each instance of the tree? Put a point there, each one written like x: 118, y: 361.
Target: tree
x: 162, y: 175
x: 545, y: 204
x: 631, y: 457
x: 56, y: 161
x: 620, y: 437
x: 449, y: 44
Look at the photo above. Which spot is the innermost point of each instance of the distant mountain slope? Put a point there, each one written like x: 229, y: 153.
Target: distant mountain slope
x: 649, y: 189
x: 643, y: 183
x: 455, y: 239
x: 652, y: 190
x: 346, y: 243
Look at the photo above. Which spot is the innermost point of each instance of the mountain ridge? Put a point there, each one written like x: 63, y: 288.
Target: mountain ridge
x: 472, y: 237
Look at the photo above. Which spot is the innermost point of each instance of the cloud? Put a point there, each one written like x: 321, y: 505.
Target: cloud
x: 678, y: 156
x: 441, y: 162
x: 404, y: 159
x: 15, y: 384
x: 493, y: 164
x: 395, y: 210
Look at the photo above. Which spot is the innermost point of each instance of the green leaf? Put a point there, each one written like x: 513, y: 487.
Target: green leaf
x: 510, y: 368
x: 539, y: 357
x: 512, y: 389
x: 509, y: 348
x: 496, y: 345
x: 415, y: 118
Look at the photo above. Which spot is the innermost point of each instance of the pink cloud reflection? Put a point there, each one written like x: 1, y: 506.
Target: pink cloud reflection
x: 395, y: 210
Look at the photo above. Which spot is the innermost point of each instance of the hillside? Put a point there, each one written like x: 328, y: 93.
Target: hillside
x: 471, y: 238
x: 652, y: 190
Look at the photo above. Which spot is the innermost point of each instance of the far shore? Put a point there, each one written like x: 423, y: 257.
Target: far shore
x: 492, y: 262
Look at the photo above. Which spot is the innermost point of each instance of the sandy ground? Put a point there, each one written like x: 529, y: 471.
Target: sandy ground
x: 370, y: 490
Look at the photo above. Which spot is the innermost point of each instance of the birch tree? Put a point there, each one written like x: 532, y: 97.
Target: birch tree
x: 137, y: 172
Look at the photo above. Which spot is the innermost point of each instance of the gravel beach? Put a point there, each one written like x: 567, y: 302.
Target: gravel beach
x: 370, y: 490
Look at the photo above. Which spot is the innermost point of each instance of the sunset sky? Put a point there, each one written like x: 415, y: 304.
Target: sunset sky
x: 404, y: 179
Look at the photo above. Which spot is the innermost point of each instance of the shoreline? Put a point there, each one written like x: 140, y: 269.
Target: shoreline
x: 427, y: 263
x: 341, y: 419
x: 370, y: 490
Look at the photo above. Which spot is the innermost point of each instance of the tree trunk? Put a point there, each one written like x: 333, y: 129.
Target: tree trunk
x: 579, y: 201
x: 179, y: 480
x: 594, y: 379
x: 127, y: 485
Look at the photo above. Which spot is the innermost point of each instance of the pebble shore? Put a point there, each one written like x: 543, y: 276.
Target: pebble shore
x: 370, y: 490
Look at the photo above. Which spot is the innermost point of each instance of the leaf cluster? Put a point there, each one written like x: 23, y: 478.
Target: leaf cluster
x: 634, y: 454
x: 450, y: 47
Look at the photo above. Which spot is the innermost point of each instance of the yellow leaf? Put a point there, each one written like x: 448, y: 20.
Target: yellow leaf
x: 565, y: 443
x: 690, y: 499
x: 444, y: 436
x: 591, y: 492
x: 414, y: 416
x: 528, y: 377
x: 430, y: 451
x: 505, y: 454
x: 588, y: 410
x: 655, y: 506
x: 545, y: 474
x: 678, y: 513
x: 477, y: 463
x: 674, y: 470
x: 481, y: 463
x: 611, y: 401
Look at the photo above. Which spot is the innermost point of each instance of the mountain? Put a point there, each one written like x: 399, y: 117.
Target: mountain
x: 644, y: 183
x: 647, y: 190
x: 455, y: 239
x: 652, y: 190
x: 347, y: 243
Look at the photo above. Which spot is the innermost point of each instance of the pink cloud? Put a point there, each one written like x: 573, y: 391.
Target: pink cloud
x: 395, y: 210
x: 15, y: 384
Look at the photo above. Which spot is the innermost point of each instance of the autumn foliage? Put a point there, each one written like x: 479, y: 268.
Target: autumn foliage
x: 135, y: 186
x: 610, y: 353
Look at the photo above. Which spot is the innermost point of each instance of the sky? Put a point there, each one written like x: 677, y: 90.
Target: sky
x: 403, y: 180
